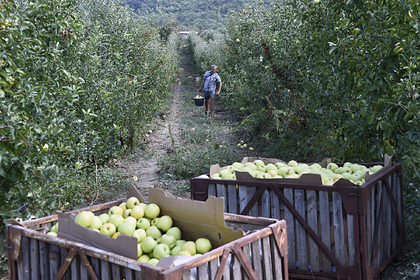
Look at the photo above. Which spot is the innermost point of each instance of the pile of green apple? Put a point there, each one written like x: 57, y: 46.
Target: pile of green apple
x: 258, y: 169
x: 198, y: 97
x: 155, y: 233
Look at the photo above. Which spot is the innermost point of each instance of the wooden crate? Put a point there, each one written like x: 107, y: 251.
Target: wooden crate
x: 32, y: 254
x: 346, y: 232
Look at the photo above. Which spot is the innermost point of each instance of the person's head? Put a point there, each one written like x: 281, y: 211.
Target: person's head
x: 213, y: 69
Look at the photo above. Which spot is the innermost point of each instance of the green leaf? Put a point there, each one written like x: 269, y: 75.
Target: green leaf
x: 370, y: 119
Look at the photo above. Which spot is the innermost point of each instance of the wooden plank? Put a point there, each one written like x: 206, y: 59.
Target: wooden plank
x: 276, y: 259
x: 105, y: 270
x: 247, y: 253
x: 34, y: 259
x: 128, y: 273
x: 64, y: 252
x: 232, y: 199
x: 256, y: 258
x: 24, y: 265
x: 350, y: 237
x: 54, y: 259
x: 83, y: 270
x: 290, y: 222
x: 75, y: 268
x: 378, y: 225
x: 213, y: 267
x: 186, y: 275
x: 44, y: 260
x: 370, y: 222
x: 301, y: 248
x: 274, y: 206
x: 311, y: 206
x: 226, y: 272
x: 137, y: 275
x: 338, y: 225
x: 212, y: 190
x: 325, y: 225
x: 96, y: 267
x: 116, y: 271
x: 267, y: 265
x: 387, y: 223
x: 265, y: 204
x: 250, y: 193
x: 243, y: 192
x: 221, y: 192
x: 202, y: 272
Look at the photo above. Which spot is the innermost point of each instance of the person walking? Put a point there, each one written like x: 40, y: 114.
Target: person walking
x: 209, y: 83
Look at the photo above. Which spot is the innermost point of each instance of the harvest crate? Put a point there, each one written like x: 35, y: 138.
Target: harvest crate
x: 334, y: 232
x: 32, y: 254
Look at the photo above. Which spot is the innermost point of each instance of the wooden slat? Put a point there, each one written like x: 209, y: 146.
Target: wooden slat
x: 54, y: 259
x: 221, y: 192
x: 232, y: 199
x: 128, y: 273
x: 256, y: 258
x: 290, y: 222
x: 24, y: 266
x: 302, y: 251
x: 247, y: 253
x: 276, y: 259
x: 212, y: 190
x: 338, y: 228
x: 370, y: 222
x: 311, y: 205
x: 186, y: 275
x: 267, y: 264
x: 83, y: 270
x: 250, y: 193
x: 243, y: 197
x: 75, y: 267
x: 387, y: 223
x: 235, y: 267
x: 137, y: 275
x: 350, y: 237
x: 64, y: 252
x: 202, y: 272
x: 105, y: 270
x: 116, y: 271
x: 378, y: 224
x: 265, y: 204
x: 96, y: 266
x: 34, y: 259
x: 325, y: 226
x: 213, y: 266
x: 274, y: 206
x: 43, y: 260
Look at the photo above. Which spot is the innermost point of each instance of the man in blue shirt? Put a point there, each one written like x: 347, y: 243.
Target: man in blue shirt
x: 209, y: 82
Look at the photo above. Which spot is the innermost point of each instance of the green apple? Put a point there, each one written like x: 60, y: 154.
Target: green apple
x: 165, y: 222
x: 285, y: 171
x: 347, y: 164
x: 229, y: 176
x: 337, y: 176
x: 115, y: 235
x: 154, y: 232
x: 175, y: 232
x: 375, y: 168
x: 237, y: 165
x: 96, y: 223
x: 315, y: 166
x: 202, y: 245
x: 327, y: 181
x: 180, y: 242
x: 224, y: 172
x: 108, y: 229
x: 131, y: 220
x: 262, y: 168
x: 168, y: 240
x: 54, y: 228
x: 115, y: 210
x: 127, y: 213
x: 139, y: 250
x: 137, y: 212
x: 152, y: 211
x: 153, y: 261
x: 204, y: 176
x: 317, y: 1
x: 215, y: 176
x: 299, y: 169
x: 154, y: 221
x: 258, y: 162
x: 132, y: 201
x: 144, y: 258
x: 292, y: 163
x: 273, y: 173
x: 346, y: 175
x: 127, y: 228
x: 332, y: 166
x: 184, y: 253
x: 356, y: 177
x: 123, y: 206
x: 270, y: 166
x: 143, y: 205
x: 346, y: 169
x: 117, y: 220
x: 190, y: 247
x: 148, y: 244
x: 251, y: 165
x: 175, y: 251
x: 280, y: 164
x: 84, y: 218
x: 143, y: 223
x: 140, y: 234
x: 104, y: 218
x: 161, y: 250
x: 52, y: 233
x: 355, y: 167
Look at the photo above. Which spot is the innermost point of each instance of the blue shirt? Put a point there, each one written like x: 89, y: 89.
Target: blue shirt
x: 210, y: 83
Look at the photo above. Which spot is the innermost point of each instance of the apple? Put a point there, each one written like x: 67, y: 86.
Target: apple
x: 180, y: 242
x: 148, y: 244
x: 356, y: 177
x: 299, y: 169
x: 154, y: 221
x: 224, y: 172
x: 54, y: 228
x: 237, y: 165
x: 273, y: 173
x: 154, y: 232
x: 346, y: 175
x: 164, y: 223
x: 153, y: 261
x: 127, y: 213
x: 262, y: 168
x: 258, y: 162
x: 52, y: 233
x: 108, y: 229
x: 123, y: 206
x: 152, y: 211
x: 203, y: 245
x: 137, y: 212
x: 270, y: 166
x: 251, y: 165
x: 168, y: 240
x: 115, y: 210
x: 215, y: 176
x: 204, y: 176
x: 140, y: 234
x: 280, y: 164
x: 132, y: 201
x: 104, y: 218
x: 127, y: 228
x: 346, y: 169
x: 96, y: 223
x: 190, y: 247
x: 115, y: 235
x: 143, y: 205
x: 292, y: 163
x: 84, y: 218
x: 337, y: 176
x: 355, y: 167
x: 317, y: 1
x: 375, y: 168
x: 184, y: 253
x: 332, y: 166
x: 175, y: 232
x: 117, y: 220
x: 139, y: 250
x: 144, y: 258
x: 131, y: 220
x: 315, y: 166
x: 229, y: 176
x: 175, y: 251
x: 143, y: 223
x: 161, y: 250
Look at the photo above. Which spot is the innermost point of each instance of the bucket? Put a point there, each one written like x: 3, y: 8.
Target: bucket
x: 199, y: 102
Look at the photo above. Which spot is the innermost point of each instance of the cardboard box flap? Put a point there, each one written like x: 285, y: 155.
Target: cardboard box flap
x: 195, y: 218
x: 124, y: 245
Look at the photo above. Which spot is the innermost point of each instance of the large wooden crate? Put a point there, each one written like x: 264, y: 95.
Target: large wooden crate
x: 347, y: 232
x: 32, y: 254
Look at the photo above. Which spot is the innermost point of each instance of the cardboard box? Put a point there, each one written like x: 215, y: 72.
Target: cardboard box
x: 195, y: 219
